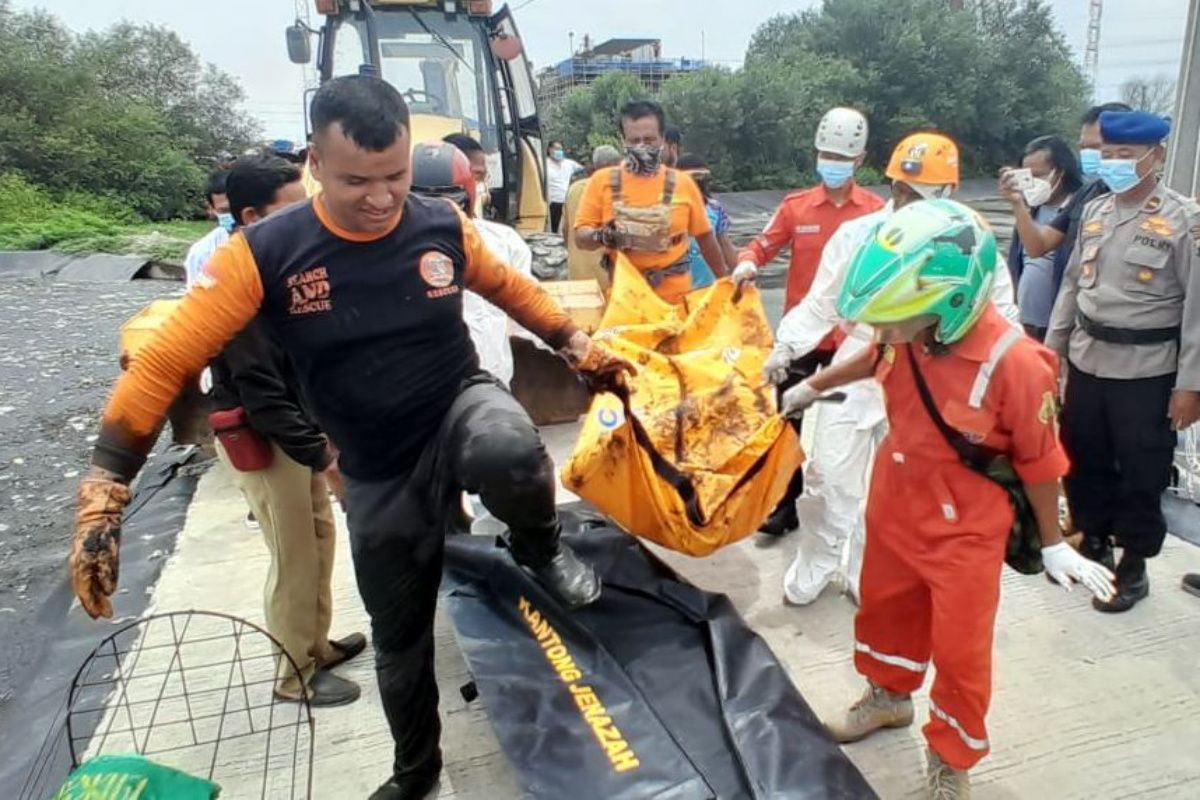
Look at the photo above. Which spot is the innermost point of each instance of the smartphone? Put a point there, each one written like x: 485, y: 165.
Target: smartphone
x: 1021, y: 179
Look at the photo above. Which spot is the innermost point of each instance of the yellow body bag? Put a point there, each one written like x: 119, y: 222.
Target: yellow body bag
x: 696, y: 456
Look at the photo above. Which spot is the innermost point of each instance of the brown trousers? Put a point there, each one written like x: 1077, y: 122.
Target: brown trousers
x: 291, y: 503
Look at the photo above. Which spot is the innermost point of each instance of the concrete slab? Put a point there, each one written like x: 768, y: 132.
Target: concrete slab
x: 1085, y: 706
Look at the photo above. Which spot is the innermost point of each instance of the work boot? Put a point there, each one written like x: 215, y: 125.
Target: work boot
x: 410, y: 787
x: 783, y: 520
x: 568, y: 577
x: 1133, y: 585
x: 876, y: 709
x: 1191, y: 583
x: 944, y: 782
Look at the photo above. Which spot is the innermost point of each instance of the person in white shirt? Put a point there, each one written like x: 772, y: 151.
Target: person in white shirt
x: 217, y: 205
x: 847, y: 434
x: 559, y: 170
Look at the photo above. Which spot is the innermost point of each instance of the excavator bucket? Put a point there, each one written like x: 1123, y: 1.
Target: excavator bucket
x: 542, y: 382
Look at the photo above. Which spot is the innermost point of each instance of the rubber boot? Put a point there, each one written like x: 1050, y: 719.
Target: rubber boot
x: 1133, y: 586
x: 875, y: 710
x: 1191, y: 583
x: 556, y: 567
x: 783, y: 519
x: 944, y: 782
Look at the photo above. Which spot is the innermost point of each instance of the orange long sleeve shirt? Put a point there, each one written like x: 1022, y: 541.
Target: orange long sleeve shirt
x: 373, y: 324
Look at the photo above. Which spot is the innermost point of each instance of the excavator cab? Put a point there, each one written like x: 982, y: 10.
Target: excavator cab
x: 460, y: 67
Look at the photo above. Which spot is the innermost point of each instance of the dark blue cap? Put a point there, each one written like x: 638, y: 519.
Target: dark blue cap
x: 1133, y: 127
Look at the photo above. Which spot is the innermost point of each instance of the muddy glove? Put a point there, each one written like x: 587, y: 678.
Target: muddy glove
x: 95, y: 552
x: 745, y: 272
x: 1064, y: 566
x: 601, y: 370
x: 798, y: 398
x: 775, y: 370
x: 611, y: 238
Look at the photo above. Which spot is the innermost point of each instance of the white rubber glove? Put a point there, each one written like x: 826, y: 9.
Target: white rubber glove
x: 798, y: 398
x: 1065, y: 565
x: 745, y: 272
x: 775, y: 369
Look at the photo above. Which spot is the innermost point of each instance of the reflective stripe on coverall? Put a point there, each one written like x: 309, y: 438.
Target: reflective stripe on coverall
x: 847, y: 434
x: 936, y: 530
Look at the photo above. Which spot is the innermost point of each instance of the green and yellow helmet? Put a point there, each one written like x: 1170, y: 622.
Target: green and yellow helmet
x: 934, y: 258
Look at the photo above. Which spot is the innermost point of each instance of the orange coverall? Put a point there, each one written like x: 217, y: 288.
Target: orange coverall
x: 936, y: 530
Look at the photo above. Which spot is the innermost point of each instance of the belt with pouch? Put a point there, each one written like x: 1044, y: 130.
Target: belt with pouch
x: 655, y: 277
x: 1105, y: 333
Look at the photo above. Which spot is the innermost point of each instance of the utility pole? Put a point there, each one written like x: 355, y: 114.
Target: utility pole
x: 1183, y: 153
x: 1091, y: 53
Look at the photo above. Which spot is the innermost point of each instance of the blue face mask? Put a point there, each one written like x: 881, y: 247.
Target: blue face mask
x: 557, y: 155
x: 835, y: 174
x: 225, y: 220
x: 1120, y: 174
x: 1089, y: 162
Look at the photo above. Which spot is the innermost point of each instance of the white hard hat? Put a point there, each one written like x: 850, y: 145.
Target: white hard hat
x: 842, y: 131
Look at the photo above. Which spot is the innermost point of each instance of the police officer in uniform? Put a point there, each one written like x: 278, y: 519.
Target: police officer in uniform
x: 1128, y: 324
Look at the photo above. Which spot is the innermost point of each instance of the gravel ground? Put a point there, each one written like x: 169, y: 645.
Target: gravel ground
x: 58, y: 358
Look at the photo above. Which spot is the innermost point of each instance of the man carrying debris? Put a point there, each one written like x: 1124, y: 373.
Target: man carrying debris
x: 923, y: 165
x: 956, y: 376
x: 647, y: 210
x: 362, y: 286
x: 280, y: 459
x: 1127, y: 322
x: 804, y: 222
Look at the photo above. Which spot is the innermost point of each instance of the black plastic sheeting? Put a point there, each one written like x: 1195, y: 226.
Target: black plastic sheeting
x: 88, y: 268
x: 657, y: 690
x: 35, y: 756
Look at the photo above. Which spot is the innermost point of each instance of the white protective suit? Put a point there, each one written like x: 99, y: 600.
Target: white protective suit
x: 487, y: 324
x: 838, y: 471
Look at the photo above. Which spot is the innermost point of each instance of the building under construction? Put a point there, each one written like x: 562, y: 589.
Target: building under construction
x: 641, y: 58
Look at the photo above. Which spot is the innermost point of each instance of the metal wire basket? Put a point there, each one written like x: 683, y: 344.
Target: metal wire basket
x: 193, y: 690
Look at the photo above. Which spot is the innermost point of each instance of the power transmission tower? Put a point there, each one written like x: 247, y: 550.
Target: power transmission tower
x: 1091, y: 54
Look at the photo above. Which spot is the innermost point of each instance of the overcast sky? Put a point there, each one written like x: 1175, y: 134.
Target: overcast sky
x: 245, y: 37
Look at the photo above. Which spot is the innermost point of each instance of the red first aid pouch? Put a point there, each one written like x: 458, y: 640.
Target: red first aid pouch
x: 248, y: 450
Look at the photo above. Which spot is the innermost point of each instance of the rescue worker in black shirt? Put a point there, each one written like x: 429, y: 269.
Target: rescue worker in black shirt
x: 362, y: 286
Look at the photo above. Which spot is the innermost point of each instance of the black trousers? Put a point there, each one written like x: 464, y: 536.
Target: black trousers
x: 1121, y: 446
x: 486, y: 445
x: 799, y: 370
x: 556, y: 210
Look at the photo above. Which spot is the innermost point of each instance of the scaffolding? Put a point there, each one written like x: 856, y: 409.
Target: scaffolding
x: 641, y: 58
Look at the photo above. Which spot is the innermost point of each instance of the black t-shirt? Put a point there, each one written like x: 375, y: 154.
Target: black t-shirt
x: 375, y: 328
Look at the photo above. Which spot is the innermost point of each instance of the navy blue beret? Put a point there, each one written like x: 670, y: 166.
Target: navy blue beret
x: 1133, y: 127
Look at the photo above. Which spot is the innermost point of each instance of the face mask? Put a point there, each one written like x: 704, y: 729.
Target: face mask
x: 835, y: 174
x: 557, y: 155
x: 1120, y: 174
x: 225, y: 220
x: 1038, y: 193
x: 1089, y: 162
x: 643, y: 159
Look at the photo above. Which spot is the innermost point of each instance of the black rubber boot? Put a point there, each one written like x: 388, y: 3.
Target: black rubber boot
x: 1191, y: 583
x: 557, y: 568
x: 1133, y: 586
x: 411, y: 787
x: 783, y: 519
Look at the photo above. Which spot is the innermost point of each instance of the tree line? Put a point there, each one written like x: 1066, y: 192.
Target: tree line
x: 993, y: 75
x: 124, y: 120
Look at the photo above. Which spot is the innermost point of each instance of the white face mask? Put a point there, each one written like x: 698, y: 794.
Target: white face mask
x: 1038, y: 192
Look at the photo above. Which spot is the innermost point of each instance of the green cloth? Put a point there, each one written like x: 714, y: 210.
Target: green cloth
x: 133, y: 778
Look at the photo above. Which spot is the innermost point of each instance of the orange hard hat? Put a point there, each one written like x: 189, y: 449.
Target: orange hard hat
x: 926, y: 158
